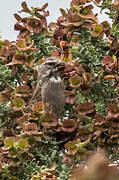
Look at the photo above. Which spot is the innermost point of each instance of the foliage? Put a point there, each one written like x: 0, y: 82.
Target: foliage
x: 36, y: 145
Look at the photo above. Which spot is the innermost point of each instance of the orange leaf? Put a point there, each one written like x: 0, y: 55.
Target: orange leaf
x: 1, y: 99
x: 109, y: 77
x: 62, y: 44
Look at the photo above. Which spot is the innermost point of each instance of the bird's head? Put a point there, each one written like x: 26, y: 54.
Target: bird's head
x: 52, y: 65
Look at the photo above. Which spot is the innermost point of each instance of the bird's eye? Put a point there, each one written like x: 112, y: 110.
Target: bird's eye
x: 50, y: 63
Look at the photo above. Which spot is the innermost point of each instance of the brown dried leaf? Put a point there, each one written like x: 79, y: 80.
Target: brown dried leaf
x: 69, y: 125
x: 85, y: 108
x: 31, y: 129
x: 49, y: 120
x: 1, y: 98
x: 25, y: 8
x: 34, y: 25
x: 17, y: 17
x: 43, y: 7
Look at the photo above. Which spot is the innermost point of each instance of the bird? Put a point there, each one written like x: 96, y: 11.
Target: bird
x: 50, y: 88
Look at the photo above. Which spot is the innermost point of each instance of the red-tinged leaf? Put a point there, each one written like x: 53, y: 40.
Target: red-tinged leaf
x: 116, y: 3
x: 17, y: 17
x: 40, y: 16
x: 106, y: 26
x: 31, y: 129
x: 38, y: 107
x: 22, y: 89
x: 85, y: 108
x: 44, y: 7
x: 70, y: 97
x: 34, y: 25
x: 75, y: 81
x: 22, y: 46
x: 24, y: 77
x: 14, y: 70
x: 107, y: 60
x: 24, y: 33
x: 69, y: 126
x: 55, y: 53
x: 78, y: 2
x: 49, y: 120
x: 17, y: 59
x: 68, y: 67
x: 25, y: 8
x: 18, y: 27
x: 72, y: 147
x: 63, y: 12
x: 46, y: 14
x: 99, y: 117
x: 77, y: 24
x: 115, y: 45
x: 87, y: 13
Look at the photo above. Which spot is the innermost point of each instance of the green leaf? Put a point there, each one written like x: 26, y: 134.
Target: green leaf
x: 117, y: 27
x: 19, y: 103
x: 116, y: 34
x: 63, y: 12
x: 22, y: 143
x: 9, y: 141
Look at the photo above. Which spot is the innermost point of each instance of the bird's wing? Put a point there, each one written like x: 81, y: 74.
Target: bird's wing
x: 36, y: 94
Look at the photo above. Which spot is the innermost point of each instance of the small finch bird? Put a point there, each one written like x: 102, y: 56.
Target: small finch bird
x: 50, y: 88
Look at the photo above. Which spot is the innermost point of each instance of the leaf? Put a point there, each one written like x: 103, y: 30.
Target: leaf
x: 85, y: 108
x: 9, y: 141
x: 17, y: 17
x: 109, y: 77
x: 62, y: 44
x: 21, y: 45
x: 31, y: 129
x: 25, y: 8
x: 116, y: 3
x: 69, y: 126
x: 117, y: 27
x: 97, y: 30
x: 19, y: 103
x: 38, y: 107
x: 49, y: 120
x: 75, y: 81
x: 63, y: 12
x: 44, y: 7
x: 22, y: 89
x: 22, y: 143
x: 1, y: 98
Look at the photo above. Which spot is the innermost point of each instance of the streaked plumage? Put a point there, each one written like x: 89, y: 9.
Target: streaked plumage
x: 50, y: 88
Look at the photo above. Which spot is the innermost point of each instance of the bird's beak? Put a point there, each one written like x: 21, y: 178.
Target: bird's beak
x: 60, y: 67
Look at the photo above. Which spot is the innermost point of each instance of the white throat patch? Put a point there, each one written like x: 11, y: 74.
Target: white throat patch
x: 55, y: 80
